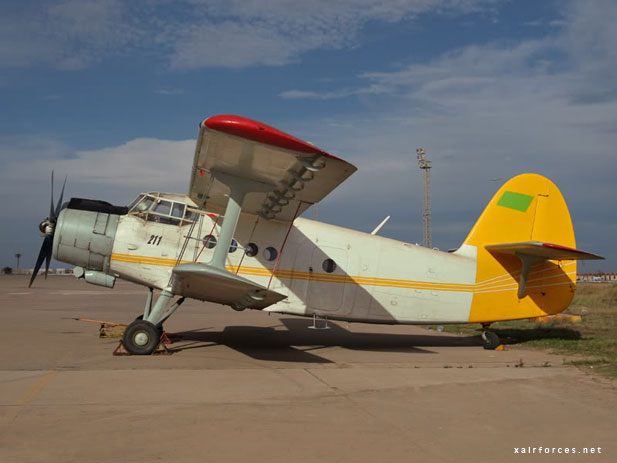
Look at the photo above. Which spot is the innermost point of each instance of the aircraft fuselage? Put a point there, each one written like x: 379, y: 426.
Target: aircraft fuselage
x: 322, y: 269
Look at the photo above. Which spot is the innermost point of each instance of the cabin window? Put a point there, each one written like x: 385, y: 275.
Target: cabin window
x: 191, y: 215
x: 209, y: 241
x: 162, y: 207
x: 178, y: 210
x: 251, y: 249
x: 270, y: 253
x: 329, y: 265
x: 233, y: 246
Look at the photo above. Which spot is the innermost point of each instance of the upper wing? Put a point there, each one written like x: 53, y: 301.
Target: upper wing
x: 284, y: 175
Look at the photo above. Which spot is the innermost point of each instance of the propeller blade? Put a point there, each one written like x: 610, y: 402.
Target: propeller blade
x: 59, y: 205
x: 48, y: 258
x: 51, y: 207
x: 44, y: 254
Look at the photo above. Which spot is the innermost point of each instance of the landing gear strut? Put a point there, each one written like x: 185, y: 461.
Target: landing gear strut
x: 143, y: 336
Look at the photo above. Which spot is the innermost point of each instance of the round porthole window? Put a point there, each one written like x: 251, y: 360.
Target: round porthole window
x: 233, y: 246
x: 251, y: 249
x: 209, y: 241
x: 270, y: 253
x: 329, y: 265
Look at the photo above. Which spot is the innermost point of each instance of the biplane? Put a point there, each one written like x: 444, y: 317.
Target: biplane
x: 237, y: 239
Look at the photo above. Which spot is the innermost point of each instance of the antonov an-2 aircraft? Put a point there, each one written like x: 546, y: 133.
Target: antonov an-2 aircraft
x: 237, y: 239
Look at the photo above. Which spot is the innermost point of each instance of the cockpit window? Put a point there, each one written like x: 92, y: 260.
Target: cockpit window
x: 135, y: 201
x: 156, y: 209
x: 144, y: 205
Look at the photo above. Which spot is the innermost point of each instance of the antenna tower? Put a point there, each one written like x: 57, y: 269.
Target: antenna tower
x: 425, y: 165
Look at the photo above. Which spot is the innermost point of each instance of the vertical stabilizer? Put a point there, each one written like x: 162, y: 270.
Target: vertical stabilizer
x: 527, y: 208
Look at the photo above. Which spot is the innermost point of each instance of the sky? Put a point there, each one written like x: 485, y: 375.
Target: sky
x: 111, y: 93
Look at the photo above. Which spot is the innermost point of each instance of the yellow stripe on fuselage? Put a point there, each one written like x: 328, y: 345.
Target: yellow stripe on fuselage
x: 505, y: 282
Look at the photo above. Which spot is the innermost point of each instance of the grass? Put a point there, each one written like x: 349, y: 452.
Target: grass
x: 593, y: 341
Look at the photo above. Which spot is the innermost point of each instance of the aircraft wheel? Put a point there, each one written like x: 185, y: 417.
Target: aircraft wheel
x: 141, y: 337
x: 490, y: 340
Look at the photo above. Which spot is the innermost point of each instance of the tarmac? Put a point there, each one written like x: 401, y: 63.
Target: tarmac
x: 248, y: 386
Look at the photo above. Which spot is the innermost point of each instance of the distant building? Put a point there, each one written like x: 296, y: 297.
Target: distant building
x: 597, y: 277
x: 52, y: 271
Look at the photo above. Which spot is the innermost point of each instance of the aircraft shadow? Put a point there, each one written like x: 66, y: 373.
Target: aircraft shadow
x: 297, y: 343
x: 523, y: 335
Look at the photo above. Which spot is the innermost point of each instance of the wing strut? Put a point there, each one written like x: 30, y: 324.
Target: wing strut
x: 527, y: 262
x: 276, y: 264
x: 212, y: 281
x: 239, y: 187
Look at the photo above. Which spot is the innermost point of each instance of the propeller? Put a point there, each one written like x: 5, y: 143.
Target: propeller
x: 47, y: 228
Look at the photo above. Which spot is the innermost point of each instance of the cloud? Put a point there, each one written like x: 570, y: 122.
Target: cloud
x: 332, y: 95
x: 236, y: 34
x: 233, y: 45
x: 472, y: 69
x: 69, y: 34
x: 116, y: 172
x: 192, y: 34
x: 15, y: 149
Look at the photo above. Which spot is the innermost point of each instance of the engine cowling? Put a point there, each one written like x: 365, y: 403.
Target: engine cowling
x: 84, y: 234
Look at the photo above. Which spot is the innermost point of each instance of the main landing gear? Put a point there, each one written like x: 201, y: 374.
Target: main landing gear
x: 490, y: 340
x: 143, y: 336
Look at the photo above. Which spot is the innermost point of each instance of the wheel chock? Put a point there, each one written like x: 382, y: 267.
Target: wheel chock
x: 121, y: 350
x: 161, y: 349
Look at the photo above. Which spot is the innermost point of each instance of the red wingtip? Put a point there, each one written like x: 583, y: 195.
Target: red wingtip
x: 261, y: 133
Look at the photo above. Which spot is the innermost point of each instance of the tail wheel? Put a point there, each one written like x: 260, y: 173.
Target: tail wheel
x: 141, y: 337
x: 490, y: 340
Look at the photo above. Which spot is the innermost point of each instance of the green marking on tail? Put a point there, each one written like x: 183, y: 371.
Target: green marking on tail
x: 516, y: 201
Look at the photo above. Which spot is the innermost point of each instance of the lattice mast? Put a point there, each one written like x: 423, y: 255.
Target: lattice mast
x: 425, y: 165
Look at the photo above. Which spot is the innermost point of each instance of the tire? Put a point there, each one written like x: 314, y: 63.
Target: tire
x: 141, y: 338
x: 490, y: 340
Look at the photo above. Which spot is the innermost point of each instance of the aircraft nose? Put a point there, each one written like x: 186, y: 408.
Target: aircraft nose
x: 85, y: 238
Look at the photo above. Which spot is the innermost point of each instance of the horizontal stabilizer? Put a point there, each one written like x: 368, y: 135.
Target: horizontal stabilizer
x: 208, y: 283
x: 532, y: 252
x: 543, y: 250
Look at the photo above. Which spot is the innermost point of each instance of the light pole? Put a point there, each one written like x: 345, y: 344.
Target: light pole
x: 425, y: 165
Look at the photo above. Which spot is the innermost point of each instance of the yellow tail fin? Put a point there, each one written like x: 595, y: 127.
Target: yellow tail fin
x: 527, y: 209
